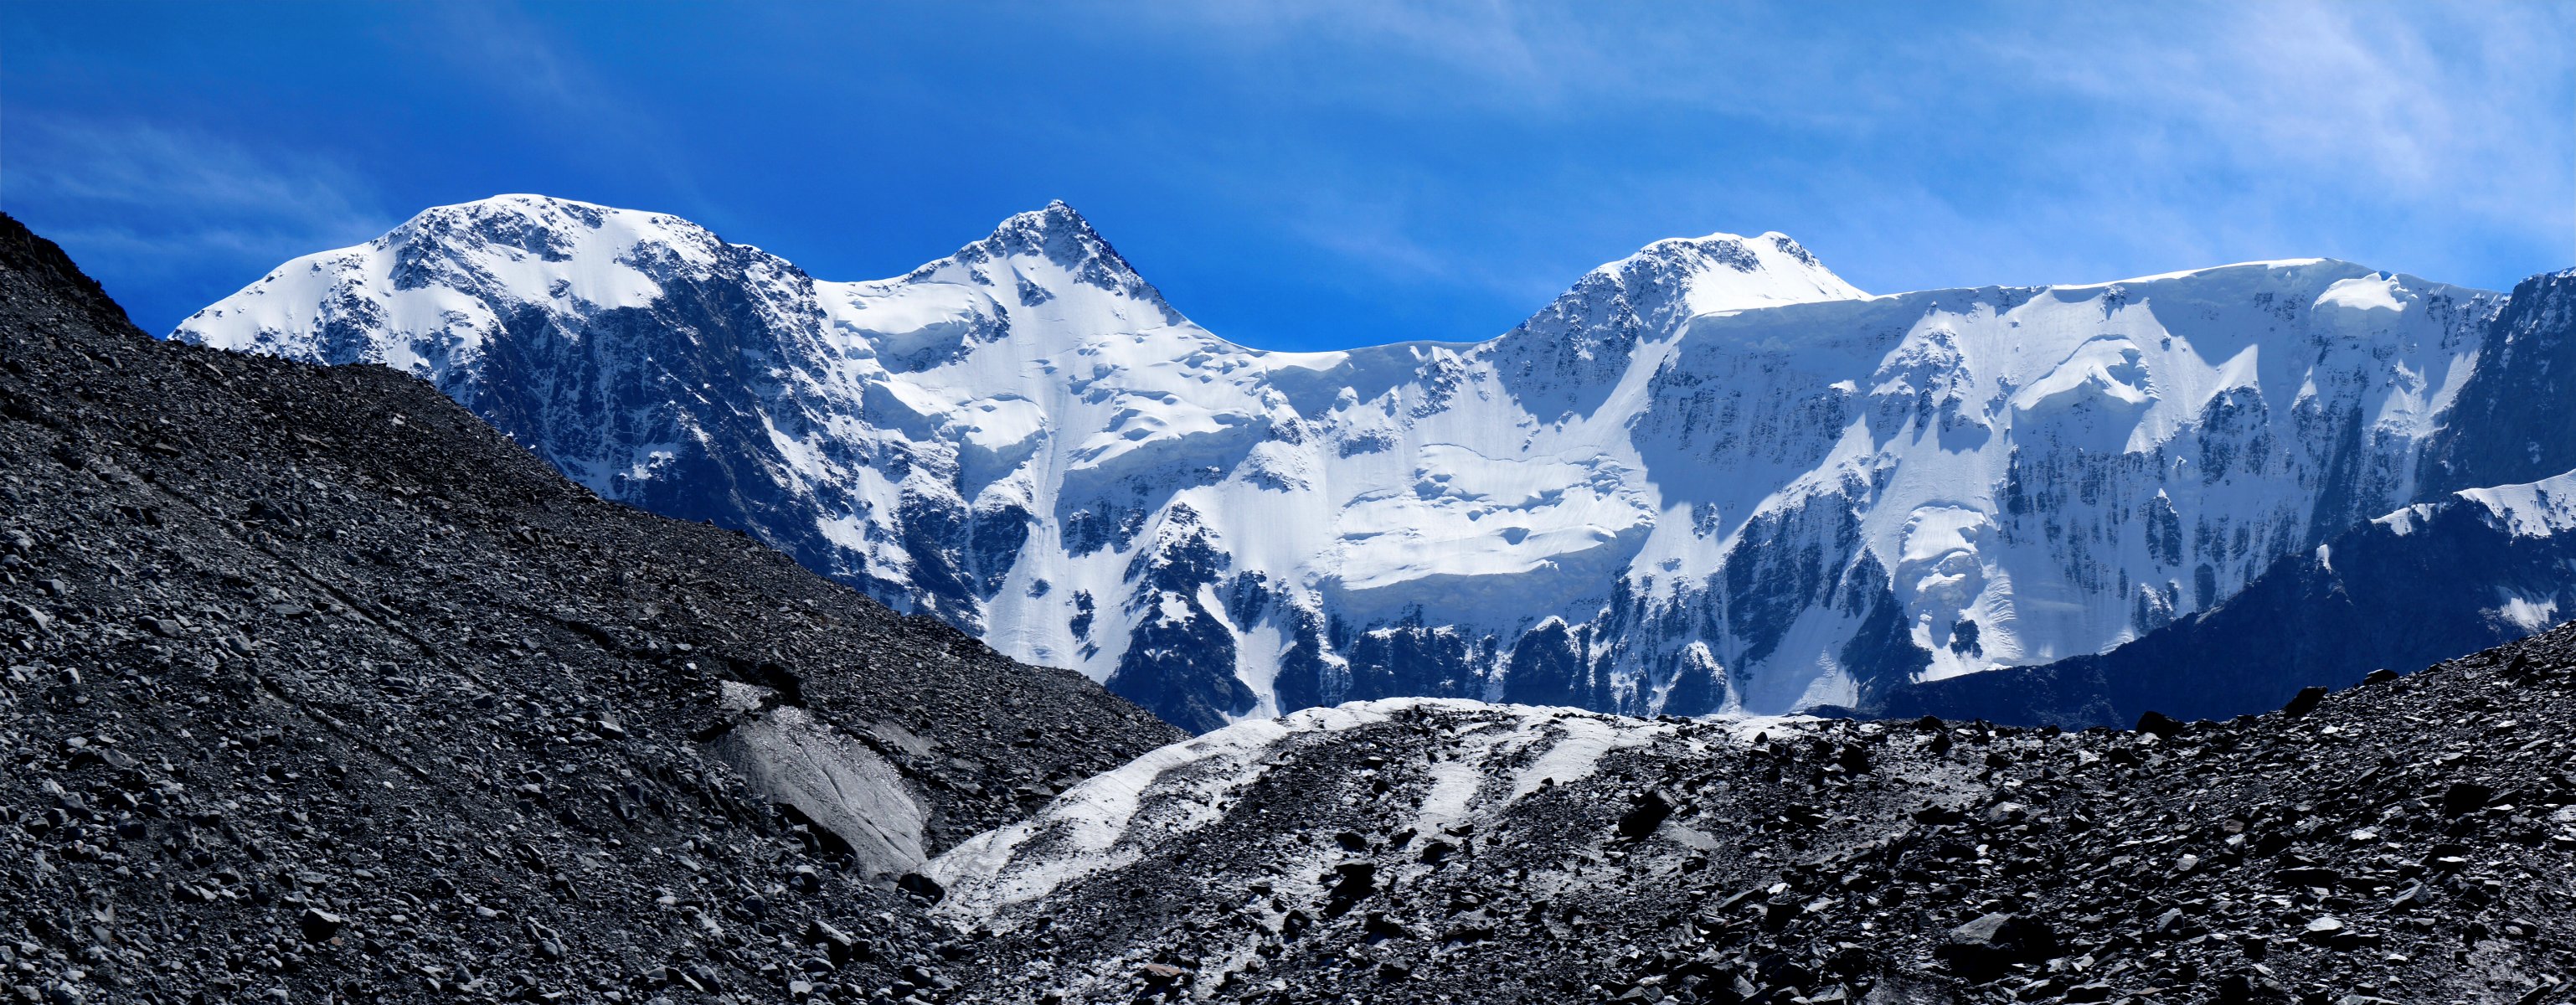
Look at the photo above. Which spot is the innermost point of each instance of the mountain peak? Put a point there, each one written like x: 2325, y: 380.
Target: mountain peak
x: 1724, y: 272
x: 523, y: 207
x: 1056, y: 234
x: 519, y: 227
x: 1056, y: 224
x: 1670, y: 281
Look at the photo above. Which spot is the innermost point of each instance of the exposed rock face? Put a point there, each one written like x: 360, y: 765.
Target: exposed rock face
x: 2512, y: 424
x: 2404, y: 841
x: 1710, y: 476
x: 313, y: 687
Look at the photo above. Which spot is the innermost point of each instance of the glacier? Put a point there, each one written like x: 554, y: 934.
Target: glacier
x: 1709, y: 477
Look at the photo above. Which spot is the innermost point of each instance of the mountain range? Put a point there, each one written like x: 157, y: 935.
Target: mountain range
x: 1710, y: 477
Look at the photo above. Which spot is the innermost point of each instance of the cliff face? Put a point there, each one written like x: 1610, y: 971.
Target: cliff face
x: 2512, y: 424
x: 2487, y: 558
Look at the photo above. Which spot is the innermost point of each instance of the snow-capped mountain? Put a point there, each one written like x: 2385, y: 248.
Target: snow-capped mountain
x: 2459, y: 572
x: 1710, y: 476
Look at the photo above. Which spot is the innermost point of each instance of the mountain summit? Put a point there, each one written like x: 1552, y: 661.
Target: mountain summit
x: 1709, y: 476
x: 1058, y: 235
x: 1724, y: 272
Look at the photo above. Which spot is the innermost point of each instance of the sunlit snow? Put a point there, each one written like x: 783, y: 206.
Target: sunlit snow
x: 1715, y: 461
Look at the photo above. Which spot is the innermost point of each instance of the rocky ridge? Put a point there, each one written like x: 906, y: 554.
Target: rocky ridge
x: 315, y: 688
x: 2407, y: 840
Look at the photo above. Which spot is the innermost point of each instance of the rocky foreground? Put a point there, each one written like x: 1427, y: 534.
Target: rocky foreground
x: 313, y: 687
x: 2409, y: 840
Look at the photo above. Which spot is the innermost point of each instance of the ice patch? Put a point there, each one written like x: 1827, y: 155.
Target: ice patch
x: 904, y: 321
x: 2107, y: 371
x: 2369, y: 293
x: 2528, y: 613
x: 1111, y: 820
x: 1587, y: 739
x: 1937, y: 531
x: 1083, y: 830
x: 835, y: 781
x: 1471, y: 523
x: 2405, y: 521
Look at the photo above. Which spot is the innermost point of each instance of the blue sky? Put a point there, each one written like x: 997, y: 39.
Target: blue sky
x: 1321, y: 174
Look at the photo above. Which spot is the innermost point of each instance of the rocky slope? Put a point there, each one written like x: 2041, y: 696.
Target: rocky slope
x: 1710, y: 476
x: 317, y: 689
x: 2404, y: 841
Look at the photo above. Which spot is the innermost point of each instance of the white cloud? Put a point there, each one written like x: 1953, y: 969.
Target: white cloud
x: 1959, y: 145
x: 2408, y: 101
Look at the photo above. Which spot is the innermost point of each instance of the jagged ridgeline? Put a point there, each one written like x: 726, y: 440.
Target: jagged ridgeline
x: 318, y: 688
x: 1711, y: 476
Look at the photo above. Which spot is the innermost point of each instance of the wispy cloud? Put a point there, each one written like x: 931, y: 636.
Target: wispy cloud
x: 147, y: 201
x: 2357, y: 130
x: 1953, y: 145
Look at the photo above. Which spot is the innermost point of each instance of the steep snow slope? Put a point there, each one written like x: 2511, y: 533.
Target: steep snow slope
x: 1709, y: 476
x: 2457, y: 574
